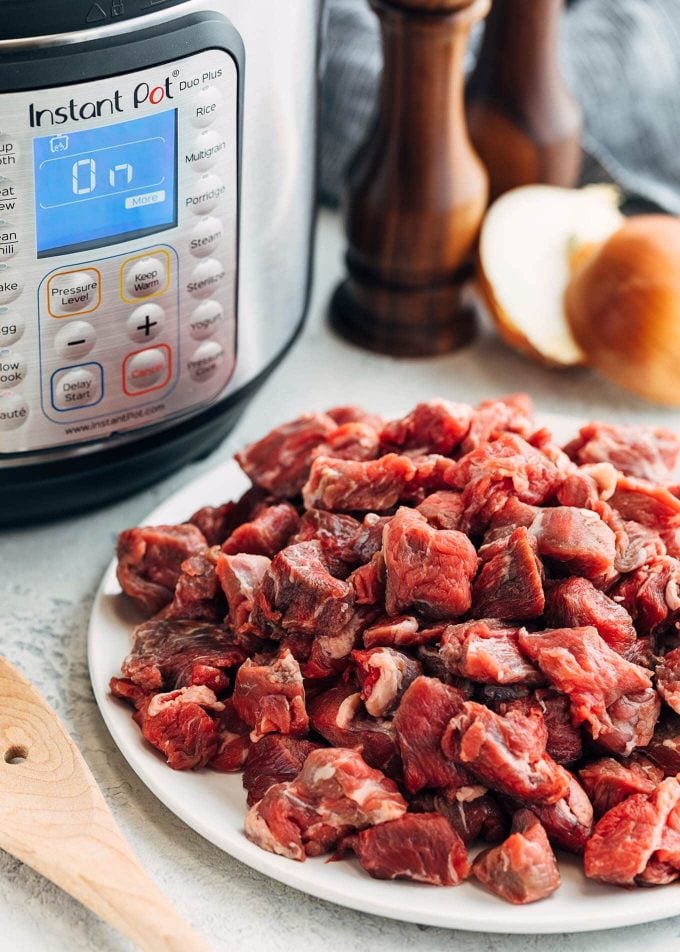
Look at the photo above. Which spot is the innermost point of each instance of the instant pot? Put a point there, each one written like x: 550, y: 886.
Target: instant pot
x: 157, y: 190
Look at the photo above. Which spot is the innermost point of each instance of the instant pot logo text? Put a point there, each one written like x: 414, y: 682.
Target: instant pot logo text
x: 74, y: 110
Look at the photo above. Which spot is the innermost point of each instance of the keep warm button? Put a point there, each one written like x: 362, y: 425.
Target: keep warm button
x: 146, y: 370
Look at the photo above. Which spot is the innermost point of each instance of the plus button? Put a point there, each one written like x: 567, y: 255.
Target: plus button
x: 146, y: 325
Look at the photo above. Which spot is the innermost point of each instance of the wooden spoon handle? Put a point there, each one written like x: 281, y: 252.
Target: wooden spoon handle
x: 54, y: 818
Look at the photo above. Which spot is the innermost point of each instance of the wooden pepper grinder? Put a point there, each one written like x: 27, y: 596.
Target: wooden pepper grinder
x: 523, y: 121
x: 416, y: 190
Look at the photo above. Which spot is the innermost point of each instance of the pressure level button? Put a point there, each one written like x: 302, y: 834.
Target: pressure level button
x: 74, y: 292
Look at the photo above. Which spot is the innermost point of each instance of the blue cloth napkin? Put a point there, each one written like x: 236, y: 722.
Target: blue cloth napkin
x: 621, y: 59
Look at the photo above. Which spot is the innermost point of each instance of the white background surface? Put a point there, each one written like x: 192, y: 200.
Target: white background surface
x: 48, y: 577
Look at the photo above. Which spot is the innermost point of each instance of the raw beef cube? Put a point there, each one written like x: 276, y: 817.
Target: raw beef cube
x: 275, y: 758
x: 299, y: 594
x: 355, y: 414
x: 487, y: 651
x: 174, y: 654
x: 664, y: 747
x: 640, y: 451
x: 198, y: 593
x: 608, y: 782
x: 280, y: 461
x: 127, y: 690
x: 368, y: 540
x: 513, y: 414
x: 434, y: 427
x: 434, y: 473
x: 427, y: 570
x: 419, y: 846
x: 400, y: 631
x: 240, y: 577
x: 586, y: 486
x: 523, y: 868
x: 627, y: 836
x: 339, y: 716
x: 336, y: 533
x: 384, y: 674
x: 576, y: 538
x: 635, y: 543
x: 425, y: 710
x: 507, y: 753
x: 509, y: 584
x: 513, y: 515
x: 347, y: 485
x: 179, y: 724
x: 645, y: 502
x: 353, y: 440
x: 569, y: 822
x: 368, y: 581
x: 633, y: 719
x: 331, y: 650
x: 443, y: 509
x: 150, y: 559
x: 579, y: 663
x: 564, y: 740
x: 473, y: 813
x: 271, y: 697
x: 668, y: 679
x: 651, y: 595
x: 233, y: 743
x: 218, y: 522
x: 494, y: 472
x: 336, y: 793
x: 268, y: 532
x: 575, y: 603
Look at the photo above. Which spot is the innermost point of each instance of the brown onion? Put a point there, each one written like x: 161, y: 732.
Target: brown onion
x: 623, y: 307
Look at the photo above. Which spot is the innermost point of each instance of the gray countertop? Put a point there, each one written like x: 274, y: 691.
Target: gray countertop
x: 49, y: 576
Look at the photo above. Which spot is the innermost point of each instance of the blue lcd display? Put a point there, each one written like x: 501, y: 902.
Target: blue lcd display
x: 94, y: 187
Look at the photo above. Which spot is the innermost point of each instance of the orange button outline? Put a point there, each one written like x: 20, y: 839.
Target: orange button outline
x: 68, y: 314
x: 158, y: 386
x: 146, y: 297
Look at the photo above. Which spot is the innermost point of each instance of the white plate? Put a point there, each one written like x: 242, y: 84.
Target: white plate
x: 214, y: 804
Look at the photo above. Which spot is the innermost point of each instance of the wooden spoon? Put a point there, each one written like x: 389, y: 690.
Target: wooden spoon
x: 53, y: 817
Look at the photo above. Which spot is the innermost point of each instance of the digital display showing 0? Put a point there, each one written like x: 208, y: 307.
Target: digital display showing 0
x: 94, y: 187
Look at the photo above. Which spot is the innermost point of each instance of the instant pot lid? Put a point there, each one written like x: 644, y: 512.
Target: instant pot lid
x: 22, y: 19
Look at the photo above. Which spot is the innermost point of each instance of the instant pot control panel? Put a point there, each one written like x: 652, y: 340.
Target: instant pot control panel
x: 119, y: 242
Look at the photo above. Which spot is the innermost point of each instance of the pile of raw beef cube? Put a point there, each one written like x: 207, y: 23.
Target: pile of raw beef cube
x: 418, y: 634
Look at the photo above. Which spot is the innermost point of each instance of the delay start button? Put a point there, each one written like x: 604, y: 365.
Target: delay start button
x: 74, y: 292
x: 146, y: 370
x: 76, y: 387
